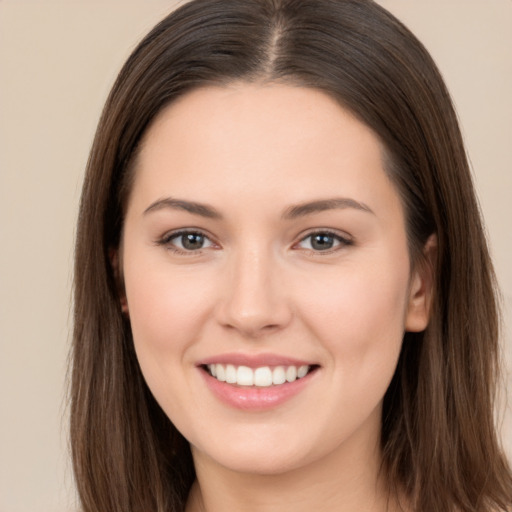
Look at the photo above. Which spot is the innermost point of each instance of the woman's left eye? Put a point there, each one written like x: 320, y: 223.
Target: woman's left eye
x: 323, y: 241
x: 187, y: 241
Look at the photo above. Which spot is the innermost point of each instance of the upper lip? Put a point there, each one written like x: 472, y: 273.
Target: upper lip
x: 253, y: 360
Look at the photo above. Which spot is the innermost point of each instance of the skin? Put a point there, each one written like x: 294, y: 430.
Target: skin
x: 252, y: 152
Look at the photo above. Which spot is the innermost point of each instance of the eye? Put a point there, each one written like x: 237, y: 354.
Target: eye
x: 323, y: 241
x: 186, y: 241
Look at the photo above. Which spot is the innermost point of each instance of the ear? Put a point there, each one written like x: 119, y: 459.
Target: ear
x: 421, y: 289
x: 116, y: 264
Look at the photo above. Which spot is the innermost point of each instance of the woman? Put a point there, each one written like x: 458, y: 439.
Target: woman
x: 283, y: 294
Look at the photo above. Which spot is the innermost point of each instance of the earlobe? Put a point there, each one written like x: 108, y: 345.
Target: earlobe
x: 422, y: 289
x: 124, y: 304
x: 115, y: 262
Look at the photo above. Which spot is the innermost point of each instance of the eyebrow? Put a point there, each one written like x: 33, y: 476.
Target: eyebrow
x: 203, y: 210
x: 290, y: 213
x: 322, y: 205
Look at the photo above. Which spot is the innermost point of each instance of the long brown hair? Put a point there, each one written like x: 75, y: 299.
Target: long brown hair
x: 439, y: 440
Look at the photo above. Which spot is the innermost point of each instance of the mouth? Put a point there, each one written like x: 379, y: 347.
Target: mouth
x: 257, y: 382
x: 259, y: 377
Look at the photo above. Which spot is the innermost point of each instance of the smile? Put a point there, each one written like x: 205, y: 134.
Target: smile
x: 257, y: 382
x: 263, y: 376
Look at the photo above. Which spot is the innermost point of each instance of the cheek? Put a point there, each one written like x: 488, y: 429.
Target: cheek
x: 166, y: 309
x: 167, y: 312
x: 358, y: 300
x: 360, y: 317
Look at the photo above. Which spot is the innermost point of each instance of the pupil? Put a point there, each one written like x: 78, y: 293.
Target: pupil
x: 322, y: 242
x: 192, y: 241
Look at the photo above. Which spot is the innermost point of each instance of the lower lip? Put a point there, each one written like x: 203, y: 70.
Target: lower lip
x: 254, y: 398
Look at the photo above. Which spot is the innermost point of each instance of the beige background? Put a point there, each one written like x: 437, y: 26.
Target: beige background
x: 57, y: 62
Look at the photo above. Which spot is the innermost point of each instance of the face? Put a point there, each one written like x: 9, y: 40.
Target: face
x: 267, y: 276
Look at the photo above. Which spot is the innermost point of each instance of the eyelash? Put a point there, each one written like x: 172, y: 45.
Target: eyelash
x: 167, y: 241
x: 168, y: 238
x: 343, y: 241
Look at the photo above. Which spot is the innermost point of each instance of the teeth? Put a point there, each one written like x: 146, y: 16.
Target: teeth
x: 278, y: 375
x: 244, y: 376
x: 220, y: 373
x: 230, y: 374
x: 263, y: 376
x: 302, y: 371
x: 291, y: 373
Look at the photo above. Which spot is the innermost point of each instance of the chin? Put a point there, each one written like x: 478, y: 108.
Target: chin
x: 259, y: 462
x: 261, y: 453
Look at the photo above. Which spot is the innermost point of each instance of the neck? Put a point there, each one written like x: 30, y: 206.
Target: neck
x: 343, y: 481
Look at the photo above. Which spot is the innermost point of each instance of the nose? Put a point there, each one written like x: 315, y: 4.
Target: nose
x: 255, y: 299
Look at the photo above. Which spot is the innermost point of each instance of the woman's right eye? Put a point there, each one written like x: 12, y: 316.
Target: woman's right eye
x: 186, y: 241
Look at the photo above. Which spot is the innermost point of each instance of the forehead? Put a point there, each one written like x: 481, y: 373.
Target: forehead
x: 275, y: 113
x: 258, y: 141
